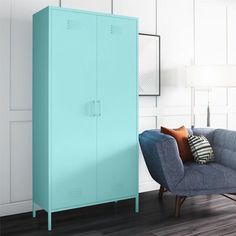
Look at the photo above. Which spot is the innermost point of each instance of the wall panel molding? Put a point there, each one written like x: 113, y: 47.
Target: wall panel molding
x: 5, y: 7
x: 89, y: 5
x: 21, y: 51
x: 15, y: 102
x: 21, y: 160
x: 144, y: 10
x: 148, y: 186
x: 231, y: 32
x: 210, y: 31
x: 15, y: 208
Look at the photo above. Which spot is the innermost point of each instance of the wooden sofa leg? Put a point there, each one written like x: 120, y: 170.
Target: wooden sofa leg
x: 179, y: 200
x: 161, y: 191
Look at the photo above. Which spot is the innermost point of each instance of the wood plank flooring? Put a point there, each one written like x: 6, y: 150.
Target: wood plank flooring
x: 202, y: 215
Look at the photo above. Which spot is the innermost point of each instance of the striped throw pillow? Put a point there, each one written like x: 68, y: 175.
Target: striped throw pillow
x: 201, y: 149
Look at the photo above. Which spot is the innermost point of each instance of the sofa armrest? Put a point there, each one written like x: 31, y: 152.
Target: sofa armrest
x: 162, y: 158
x: 171, y: 162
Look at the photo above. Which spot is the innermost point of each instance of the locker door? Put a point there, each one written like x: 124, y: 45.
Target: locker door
x: 73, y: 124
x: 117, y: 104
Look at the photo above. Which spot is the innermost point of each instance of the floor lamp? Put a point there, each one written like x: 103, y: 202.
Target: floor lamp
x: 207, y: 77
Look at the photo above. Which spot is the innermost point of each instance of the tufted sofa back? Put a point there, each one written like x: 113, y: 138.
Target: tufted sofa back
x: 224, y: 147
x: 223, y: 143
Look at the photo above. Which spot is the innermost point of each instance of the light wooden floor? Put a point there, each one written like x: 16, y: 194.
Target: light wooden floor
x: 202, y: 215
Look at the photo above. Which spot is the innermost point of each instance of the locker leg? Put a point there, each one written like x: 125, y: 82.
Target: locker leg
x: 49, y: 221
x: 33, y: 209
x: 137, y: 204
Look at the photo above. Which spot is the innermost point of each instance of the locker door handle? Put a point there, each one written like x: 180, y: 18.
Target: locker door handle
x: 99, y: 113
x: 93, y: 108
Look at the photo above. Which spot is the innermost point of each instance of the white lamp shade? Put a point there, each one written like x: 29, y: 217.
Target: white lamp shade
x: 204, y: 76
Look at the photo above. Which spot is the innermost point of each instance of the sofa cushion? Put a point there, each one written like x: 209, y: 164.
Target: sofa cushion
x: 181, y: 136
x: 201, y: 149
x: 212, y: 178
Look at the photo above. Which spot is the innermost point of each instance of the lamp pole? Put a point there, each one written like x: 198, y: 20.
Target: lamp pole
x: 208, y: 115
x: 208, y: 110
x: 192, y: 107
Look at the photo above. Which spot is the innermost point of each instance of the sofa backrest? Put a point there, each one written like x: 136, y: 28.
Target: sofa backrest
x: 207, y: 132
x: 223, y: 143
x: 224, y: 147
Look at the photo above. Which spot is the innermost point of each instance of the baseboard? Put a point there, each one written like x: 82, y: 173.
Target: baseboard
x: 26, y: 206
x: 15, y: 208
x: 148, y: 186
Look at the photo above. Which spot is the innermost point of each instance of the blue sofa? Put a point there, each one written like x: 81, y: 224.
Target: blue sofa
x: 162, y: 158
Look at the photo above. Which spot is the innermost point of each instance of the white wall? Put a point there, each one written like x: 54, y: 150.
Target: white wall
x: 201, y: 31
x: 215, y: 36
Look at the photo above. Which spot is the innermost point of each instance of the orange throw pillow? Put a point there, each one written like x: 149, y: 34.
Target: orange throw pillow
x: 181, y: 136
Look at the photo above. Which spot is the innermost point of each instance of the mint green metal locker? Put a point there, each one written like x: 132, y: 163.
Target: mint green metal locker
x: 84, y: 109
x: 117, y: 98
x: 73, y: 93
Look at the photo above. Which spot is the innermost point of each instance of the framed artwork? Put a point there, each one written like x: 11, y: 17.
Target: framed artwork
x: 149, y: 65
